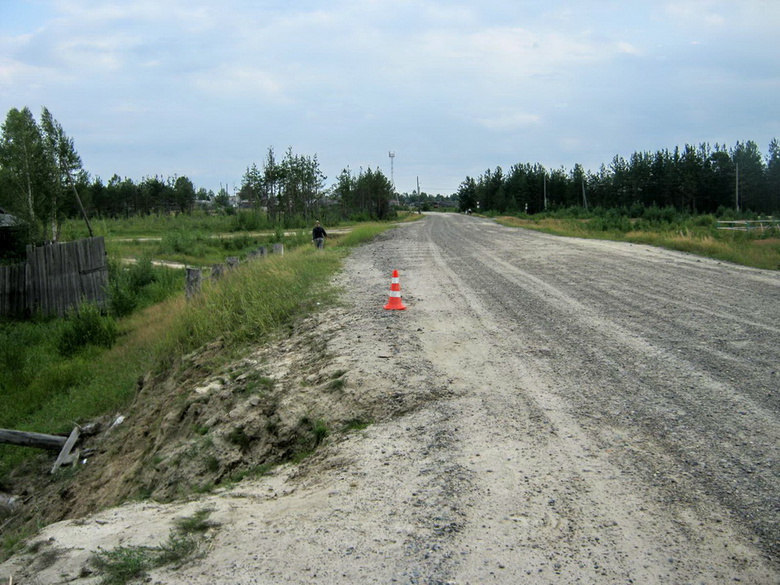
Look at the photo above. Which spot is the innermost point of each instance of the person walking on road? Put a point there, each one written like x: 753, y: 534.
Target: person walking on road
x: 318, y: 236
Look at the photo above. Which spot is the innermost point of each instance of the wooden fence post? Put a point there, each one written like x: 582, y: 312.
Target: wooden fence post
x: 279, y: 249
x: 192, y: 284
x: 217, y: 270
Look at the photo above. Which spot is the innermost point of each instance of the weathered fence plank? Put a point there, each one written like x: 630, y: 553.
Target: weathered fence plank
x: 67, y: 455
x: 55, y: 278
x: 12, y: 289
x: 26, y: 439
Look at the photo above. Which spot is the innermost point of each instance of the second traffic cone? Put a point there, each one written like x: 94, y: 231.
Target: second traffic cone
x: 394, y: 302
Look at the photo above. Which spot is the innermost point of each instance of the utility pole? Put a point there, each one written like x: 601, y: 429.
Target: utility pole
x: 584, y: 197
x: 81, y: 207
x: 545, y: 190
x: 736, y: 191
x: 419, y: 202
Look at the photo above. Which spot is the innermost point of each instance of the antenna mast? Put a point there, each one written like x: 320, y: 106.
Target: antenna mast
x: 391, y: 154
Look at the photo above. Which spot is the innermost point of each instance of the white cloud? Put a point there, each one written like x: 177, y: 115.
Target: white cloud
x: 129, y: 107
x: 628, y: 48
x: 696, y: 12
x: 353, y: 77
x: 239, y: 81
x: 509, y: 121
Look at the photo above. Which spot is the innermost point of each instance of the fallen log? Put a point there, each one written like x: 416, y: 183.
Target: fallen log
x: 37, y: 440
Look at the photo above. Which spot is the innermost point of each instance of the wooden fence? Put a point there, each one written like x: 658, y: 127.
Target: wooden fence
x: 55, y: 278
x: 748, y: 225
x: 194, y: 276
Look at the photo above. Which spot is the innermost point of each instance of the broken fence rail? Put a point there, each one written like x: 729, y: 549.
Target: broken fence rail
x: 43, y: 441
x: 744, y: 225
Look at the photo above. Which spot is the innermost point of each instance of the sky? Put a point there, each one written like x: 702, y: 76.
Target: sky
x: 203, y: 88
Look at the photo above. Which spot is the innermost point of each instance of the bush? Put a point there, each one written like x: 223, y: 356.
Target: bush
x: 249, y: 221
x: 237, y: 243
x: 121, y: 298
x: 139, y: 285
x: 125, y: 285
x: 87, y: 326
x: 141, y: 273
x: 183, y: 242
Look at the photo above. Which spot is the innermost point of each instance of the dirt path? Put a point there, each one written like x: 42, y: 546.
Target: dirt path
x: 575, y: 412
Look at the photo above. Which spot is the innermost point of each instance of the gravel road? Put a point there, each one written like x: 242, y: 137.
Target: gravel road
x: 572, y: 411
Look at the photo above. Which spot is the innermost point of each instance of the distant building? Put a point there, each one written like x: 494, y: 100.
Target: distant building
x: 14, y: 234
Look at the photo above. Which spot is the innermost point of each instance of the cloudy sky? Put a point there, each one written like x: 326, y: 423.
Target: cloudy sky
x: 203, y: 88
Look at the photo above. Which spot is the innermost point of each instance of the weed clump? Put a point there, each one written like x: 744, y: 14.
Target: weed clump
x: 129, y: 563
x: 87, y: 326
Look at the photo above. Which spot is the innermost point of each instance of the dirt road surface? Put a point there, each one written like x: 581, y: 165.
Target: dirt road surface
x: 574, y: 411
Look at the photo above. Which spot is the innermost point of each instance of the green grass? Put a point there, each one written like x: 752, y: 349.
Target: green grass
x: 357, y: 424
x: 126, y: 564
x: 45, y: 392
x: 256, y: 471
x: 201, y: 248
x: 248, y: 304
x: 158, y: 225
x: 697, y: 236
x: 197, y: 523
x: 195, y: 222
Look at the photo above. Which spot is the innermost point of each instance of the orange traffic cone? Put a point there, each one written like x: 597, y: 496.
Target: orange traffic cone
x: 394, y: 302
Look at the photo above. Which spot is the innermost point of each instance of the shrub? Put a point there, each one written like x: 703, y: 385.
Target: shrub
x: 248, y: 221
x: 139, y: 285
x: 237, y: 243
x: 87, y: 326
x: 125, y: 284
x: 141, y: 273
x: 182, y: 242
x: 121, y: 300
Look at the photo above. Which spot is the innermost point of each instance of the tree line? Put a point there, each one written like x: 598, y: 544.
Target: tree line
x: 692, y: 179
x: 294, y: 189
x: 42, y: 182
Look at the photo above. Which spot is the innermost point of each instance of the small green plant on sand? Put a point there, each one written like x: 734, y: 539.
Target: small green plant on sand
x: 125, y: 564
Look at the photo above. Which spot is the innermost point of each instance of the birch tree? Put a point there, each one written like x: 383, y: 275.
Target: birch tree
x: 23, y: 167
x: 63, y: 163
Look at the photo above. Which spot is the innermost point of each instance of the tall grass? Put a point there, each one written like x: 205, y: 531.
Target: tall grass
x: 251, y: 302
x: 150, y: 225
x: 202, y: 248
x: 248, y: 303
x: 664, y: 228
x: 197, y: 221
x: 45, y: 392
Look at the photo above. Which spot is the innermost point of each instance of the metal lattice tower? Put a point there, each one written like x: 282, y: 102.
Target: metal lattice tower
x: 391, y: 154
